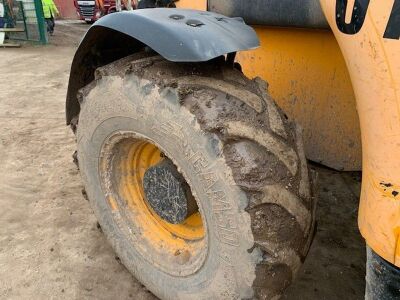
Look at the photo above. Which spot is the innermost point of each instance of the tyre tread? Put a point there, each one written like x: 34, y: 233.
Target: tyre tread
x: 243, y: 115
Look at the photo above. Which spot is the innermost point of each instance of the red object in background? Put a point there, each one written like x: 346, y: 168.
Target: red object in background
x: 92, y: 10
x: 66, y: 8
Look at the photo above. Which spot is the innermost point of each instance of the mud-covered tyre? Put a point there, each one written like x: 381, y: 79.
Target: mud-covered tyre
x: 242, y: 158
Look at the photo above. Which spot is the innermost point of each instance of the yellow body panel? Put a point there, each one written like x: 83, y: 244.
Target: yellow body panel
x: 308, y: 78
x: 192, y: 4
x: 374, y: 65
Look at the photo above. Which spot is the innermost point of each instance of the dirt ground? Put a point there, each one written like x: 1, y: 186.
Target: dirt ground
x: 50, y: 246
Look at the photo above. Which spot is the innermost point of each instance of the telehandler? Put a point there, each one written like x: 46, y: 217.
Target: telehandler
x: 197, y: 177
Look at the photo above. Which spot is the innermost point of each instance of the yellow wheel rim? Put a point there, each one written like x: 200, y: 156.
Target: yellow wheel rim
x: 178, y: 249
x: 141, y: 156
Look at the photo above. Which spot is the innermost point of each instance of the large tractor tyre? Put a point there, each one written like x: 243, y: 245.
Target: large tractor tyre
x: 196, y: 177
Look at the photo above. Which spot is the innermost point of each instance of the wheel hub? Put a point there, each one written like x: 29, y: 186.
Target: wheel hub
x: 167, y: 192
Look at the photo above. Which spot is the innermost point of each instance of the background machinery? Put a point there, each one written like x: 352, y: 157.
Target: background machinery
x: 92, y: 10
x: 198, y: 179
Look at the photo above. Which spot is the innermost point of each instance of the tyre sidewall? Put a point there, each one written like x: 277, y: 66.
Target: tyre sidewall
x: 137, y: 105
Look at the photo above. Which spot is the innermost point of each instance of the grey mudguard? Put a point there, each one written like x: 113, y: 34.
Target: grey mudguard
x: 176, y: 34
x: 167, y: 32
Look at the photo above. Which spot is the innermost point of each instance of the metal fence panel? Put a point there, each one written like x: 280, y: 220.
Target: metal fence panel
x: 26, y: 15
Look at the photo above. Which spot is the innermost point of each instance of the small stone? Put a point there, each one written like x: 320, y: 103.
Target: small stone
x: 182, y: 257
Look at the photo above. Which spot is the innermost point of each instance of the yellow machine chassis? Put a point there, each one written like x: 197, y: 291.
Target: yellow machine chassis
x: 374, y: 66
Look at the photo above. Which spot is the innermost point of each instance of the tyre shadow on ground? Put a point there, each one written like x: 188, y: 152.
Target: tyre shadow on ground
x: 335, y: 265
